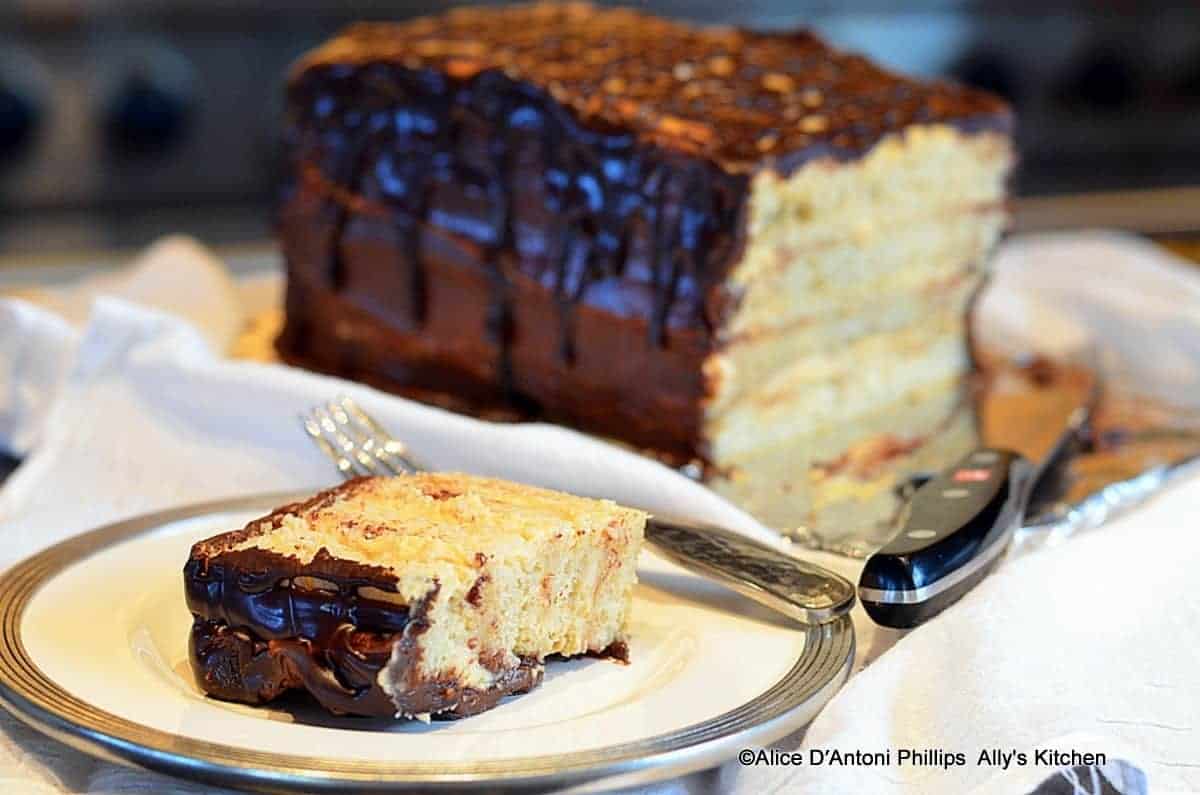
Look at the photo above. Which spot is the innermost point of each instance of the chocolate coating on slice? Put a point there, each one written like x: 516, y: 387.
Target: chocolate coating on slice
x: 263, y: 596
x: 342, y: 674
x: 265, y: 623
x: 256, y: 635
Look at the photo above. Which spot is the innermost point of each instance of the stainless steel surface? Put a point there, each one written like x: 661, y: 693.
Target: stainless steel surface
x: 804, y: 592
x: 1102, y: 506
x: 1048, y: 484
x: 1052, y: 516
x: 40, y: 702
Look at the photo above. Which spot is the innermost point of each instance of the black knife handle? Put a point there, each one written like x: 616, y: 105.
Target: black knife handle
x: 955, y: 529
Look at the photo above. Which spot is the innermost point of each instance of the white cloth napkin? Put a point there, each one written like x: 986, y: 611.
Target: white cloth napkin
x: 1092, y: 644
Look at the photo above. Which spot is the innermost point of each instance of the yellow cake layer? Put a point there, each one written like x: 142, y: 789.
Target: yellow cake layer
x: 509, y: 569
x: 838, y: 482
x: 923, y: 173
x: 840, y: 385
x: 847, y: 341
x: 753, y: 368
x: 850, y: 276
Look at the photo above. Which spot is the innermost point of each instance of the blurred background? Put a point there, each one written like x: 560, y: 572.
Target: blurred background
x: 121, y: 120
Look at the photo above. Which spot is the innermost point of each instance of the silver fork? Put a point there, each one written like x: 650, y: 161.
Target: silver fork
x: 358, y: 445
x: 355, y: 442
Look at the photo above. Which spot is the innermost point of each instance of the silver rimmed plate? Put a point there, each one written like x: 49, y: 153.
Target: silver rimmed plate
x: 93, y: 651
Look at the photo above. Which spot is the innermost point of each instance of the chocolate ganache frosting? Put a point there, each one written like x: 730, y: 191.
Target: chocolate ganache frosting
x: 256, y: 636
x: 537, y: 207
x: 266, y: 623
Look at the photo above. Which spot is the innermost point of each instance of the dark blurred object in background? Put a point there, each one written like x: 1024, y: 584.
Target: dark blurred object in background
x: 124, y: 119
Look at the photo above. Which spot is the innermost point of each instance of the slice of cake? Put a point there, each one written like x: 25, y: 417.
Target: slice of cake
x: 428, y: 594
x: 748, y: 251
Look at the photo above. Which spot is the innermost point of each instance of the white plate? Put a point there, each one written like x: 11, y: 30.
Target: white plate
x: 93, y: 650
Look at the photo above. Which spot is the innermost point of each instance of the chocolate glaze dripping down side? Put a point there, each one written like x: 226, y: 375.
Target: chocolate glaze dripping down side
x: 496, y: 182
x: 342, y: 675
x: 601, y: 176
x: 510, y: 213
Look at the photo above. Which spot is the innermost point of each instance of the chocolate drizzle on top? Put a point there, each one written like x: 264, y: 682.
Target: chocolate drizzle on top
x: 731, y: 96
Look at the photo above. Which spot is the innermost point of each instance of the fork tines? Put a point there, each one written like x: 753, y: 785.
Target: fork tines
x: 355, y: 442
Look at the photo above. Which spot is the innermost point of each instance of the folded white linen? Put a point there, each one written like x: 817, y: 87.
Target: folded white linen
x: 1089, y: 646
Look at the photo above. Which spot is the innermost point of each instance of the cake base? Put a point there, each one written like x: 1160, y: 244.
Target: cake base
x: 343, y: 675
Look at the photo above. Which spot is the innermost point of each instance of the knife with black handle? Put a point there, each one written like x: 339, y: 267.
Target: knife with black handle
x: 958, y: 525
x: 956, y: 528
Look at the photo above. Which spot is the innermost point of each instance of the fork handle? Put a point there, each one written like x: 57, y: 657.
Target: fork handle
x: 802, y: 591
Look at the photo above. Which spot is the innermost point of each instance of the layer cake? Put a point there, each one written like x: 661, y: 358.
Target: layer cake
x: 420, y: 595
x: 746, y: 251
